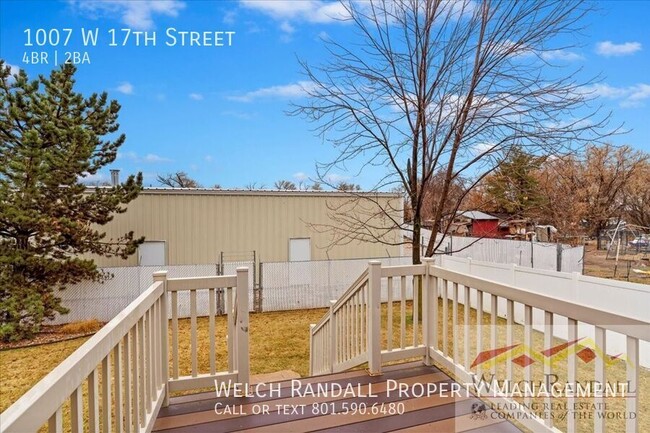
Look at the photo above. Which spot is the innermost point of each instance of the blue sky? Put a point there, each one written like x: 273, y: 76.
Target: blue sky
x: 219, y: 112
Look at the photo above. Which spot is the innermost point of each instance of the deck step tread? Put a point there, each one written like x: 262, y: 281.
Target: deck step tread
x: 422, y: 413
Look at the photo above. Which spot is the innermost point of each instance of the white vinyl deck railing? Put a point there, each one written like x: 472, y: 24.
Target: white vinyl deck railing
x: 123, y: 370
x: 359, y: 328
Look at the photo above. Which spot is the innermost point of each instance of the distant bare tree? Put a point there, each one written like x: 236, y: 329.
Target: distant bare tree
x: 431, y: 199
x: 96, y: 183
x: 637, y: 196
x: 450, y: 87
x: 316, y: 186
x: 347, y: 186
x: 584, y: 192
x: 285, y: 185
x: 606, y: 173
x: 180, y: 179
x: 253, y: 186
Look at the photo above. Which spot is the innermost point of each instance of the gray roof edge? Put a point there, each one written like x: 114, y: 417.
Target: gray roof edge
x: 261, y: 192
x: 477, y: 215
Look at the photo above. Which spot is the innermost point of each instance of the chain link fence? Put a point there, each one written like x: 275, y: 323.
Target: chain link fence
x: 276, y: 286
x: 301, y: 285
x: 103, y: 301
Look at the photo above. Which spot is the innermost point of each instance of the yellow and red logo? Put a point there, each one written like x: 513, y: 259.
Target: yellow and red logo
x: 523, y: 355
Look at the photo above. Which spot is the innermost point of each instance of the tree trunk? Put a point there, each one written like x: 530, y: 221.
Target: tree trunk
x: 416, y: 245
x: 416, y: 242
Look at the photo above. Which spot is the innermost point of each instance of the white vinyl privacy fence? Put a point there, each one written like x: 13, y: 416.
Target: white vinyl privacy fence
x: 618, y: 297
x: 295, y: 285
x: 536, y: 255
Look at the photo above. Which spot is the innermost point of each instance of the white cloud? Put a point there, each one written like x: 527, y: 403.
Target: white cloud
x: 640, y: 91
x: 93, y: 179
x: 196, y: 96
x: 608, y: 48
x: 208, y: 158
x: 131, y: 156
x: 324, y: 36
x: 481, y: 148
x: 151, y: 158
x: 125, y: 87
x: 287, y: 28
x: 604, y: 90
x: 334, y: 178
x: 300, y: 176
x: 229, y: 17
x: 313, y: 11
x: 565, y: 55
x: 238, y: 114
x: 13, y: 70
x: 138, y: 15
x: 637, y: 96
x: 293, y: 90
x: 629, y: 97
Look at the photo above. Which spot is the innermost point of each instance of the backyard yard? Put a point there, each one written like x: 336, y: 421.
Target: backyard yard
x: 599, y: 264
x: 280, y: 341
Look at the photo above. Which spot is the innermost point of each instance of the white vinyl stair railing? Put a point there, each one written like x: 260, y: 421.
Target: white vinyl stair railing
x: 359, y: 328
x: 349, y: 334
x: 337, y: 341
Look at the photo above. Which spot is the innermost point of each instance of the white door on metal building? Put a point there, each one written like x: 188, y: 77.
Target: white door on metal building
x: 152, y: 253
x: 299, y: 250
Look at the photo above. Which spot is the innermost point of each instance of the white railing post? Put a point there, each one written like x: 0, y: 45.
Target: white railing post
x: 243, y: 357
x: 374, y: 317
x: 333, y: 342
x: 164, y: 325
x: 311, y: 349
x: 427, y: 307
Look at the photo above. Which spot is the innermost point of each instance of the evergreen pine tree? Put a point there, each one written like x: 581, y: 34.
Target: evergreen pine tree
x: 513, y: 187
x: 51, y: 137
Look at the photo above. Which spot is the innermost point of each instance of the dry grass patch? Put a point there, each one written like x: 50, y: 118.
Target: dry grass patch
x: 20, y: 369
x: 278, y: 341
x: 598, y: 265
x: 82, y: 327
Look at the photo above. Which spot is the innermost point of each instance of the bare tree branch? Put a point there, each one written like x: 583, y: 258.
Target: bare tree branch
x: 442, y: 91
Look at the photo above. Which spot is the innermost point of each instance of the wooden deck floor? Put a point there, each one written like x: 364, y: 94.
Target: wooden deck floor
x: 290, y: 410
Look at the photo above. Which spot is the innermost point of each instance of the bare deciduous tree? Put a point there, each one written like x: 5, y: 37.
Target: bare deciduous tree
x: 347, y: 186
x: 637, y: 196
x: 180, y: 179
x: 605, y: 174
x: 449, y: 88
x: 254, y: 186
x: 286, y: 185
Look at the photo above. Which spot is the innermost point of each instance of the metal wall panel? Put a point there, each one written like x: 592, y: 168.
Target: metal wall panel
x: 198, y: 224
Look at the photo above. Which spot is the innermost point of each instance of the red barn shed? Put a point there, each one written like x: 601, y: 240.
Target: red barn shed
x: 480, y: 223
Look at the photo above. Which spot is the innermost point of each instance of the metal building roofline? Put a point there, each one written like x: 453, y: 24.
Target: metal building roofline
x: 260, y: 192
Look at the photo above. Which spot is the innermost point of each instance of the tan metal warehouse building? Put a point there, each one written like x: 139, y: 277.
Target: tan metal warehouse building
x: 194, y: 226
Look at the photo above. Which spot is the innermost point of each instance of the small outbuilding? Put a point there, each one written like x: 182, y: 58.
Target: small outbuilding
x: 476, y: 223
